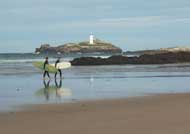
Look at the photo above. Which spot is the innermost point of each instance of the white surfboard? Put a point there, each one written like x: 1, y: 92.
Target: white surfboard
x: 62, y: 65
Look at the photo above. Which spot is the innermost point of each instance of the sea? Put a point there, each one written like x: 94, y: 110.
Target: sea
x: 22, y: 84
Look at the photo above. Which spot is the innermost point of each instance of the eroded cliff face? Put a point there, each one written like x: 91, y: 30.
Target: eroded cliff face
x: 82, y: 47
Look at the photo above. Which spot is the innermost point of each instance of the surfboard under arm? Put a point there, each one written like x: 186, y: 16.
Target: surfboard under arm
x: 49, y: 68
x: 62, y: 65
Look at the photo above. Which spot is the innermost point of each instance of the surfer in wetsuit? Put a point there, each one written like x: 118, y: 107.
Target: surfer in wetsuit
x: 59, y: 70
x: 46, y: 72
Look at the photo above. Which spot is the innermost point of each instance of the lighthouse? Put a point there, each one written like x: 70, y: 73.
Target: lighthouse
x: 91, y: 38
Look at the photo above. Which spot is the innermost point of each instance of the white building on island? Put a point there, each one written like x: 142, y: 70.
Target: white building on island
x: 91, y: 39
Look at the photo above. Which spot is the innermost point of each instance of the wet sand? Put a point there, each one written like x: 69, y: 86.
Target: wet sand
x: 158, y: 114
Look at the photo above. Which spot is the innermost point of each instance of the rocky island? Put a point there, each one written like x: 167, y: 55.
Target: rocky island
x: 161, y: 58
x: 98, y: 46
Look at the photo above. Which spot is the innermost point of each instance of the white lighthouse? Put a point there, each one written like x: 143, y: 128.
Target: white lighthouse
x: 91, y: 38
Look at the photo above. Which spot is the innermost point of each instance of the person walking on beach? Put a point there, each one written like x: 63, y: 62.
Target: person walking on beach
x: 59, y: 70
x: 46, y: 72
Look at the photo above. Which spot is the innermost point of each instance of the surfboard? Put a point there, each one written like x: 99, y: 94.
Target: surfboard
x: 62, y: 65
x: 49, y: 68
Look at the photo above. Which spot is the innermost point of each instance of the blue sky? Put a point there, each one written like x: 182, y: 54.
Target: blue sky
x: 129, y: 24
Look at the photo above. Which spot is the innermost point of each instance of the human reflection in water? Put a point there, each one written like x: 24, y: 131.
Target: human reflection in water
x: 46, y: 89
x: 58, y: 88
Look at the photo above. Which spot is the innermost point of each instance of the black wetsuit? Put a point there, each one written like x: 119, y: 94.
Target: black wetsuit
x: 46, y: 72
x: 59, y: 70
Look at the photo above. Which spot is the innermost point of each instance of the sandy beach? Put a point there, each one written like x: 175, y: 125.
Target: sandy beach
x: 158, y: 114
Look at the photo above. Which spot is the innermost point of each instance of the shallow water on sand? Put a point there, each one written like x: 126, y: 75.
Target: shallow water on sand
x: 19, y: 87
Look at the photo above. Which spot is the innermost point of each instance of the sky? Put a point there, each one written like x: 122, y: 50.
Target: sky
x: 129, y: 24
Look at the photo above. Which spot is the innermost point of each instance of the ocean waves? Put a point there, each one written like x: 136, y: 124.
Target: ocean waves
x: 21, y: 64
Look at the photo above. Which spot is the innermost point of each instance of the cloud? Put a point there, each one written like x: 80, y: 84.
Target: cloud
x: 128, y: 22
x: 105, y: 23
x: 143, y: 21
x: 37, y: 20
x: 19, y: 4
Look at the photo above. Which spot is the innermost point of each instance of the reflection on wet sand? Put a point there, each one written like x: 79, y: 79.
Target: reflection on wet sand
x: 53, y: 90
x: 61, y: 92
x: 46, y: 89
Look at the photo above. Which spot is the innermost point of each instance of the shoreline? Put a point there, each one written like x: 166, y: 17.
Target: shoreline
x: 161, y: 113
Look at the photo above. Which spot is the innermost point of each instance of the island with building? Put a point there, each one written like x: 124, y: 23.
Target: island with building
x: 96, y: 46
x: 91, y: 46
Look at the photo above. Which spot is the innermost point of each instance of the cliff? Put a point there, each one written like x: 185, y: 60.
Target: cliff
x: 162, y: 58
x: 82, y: 47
